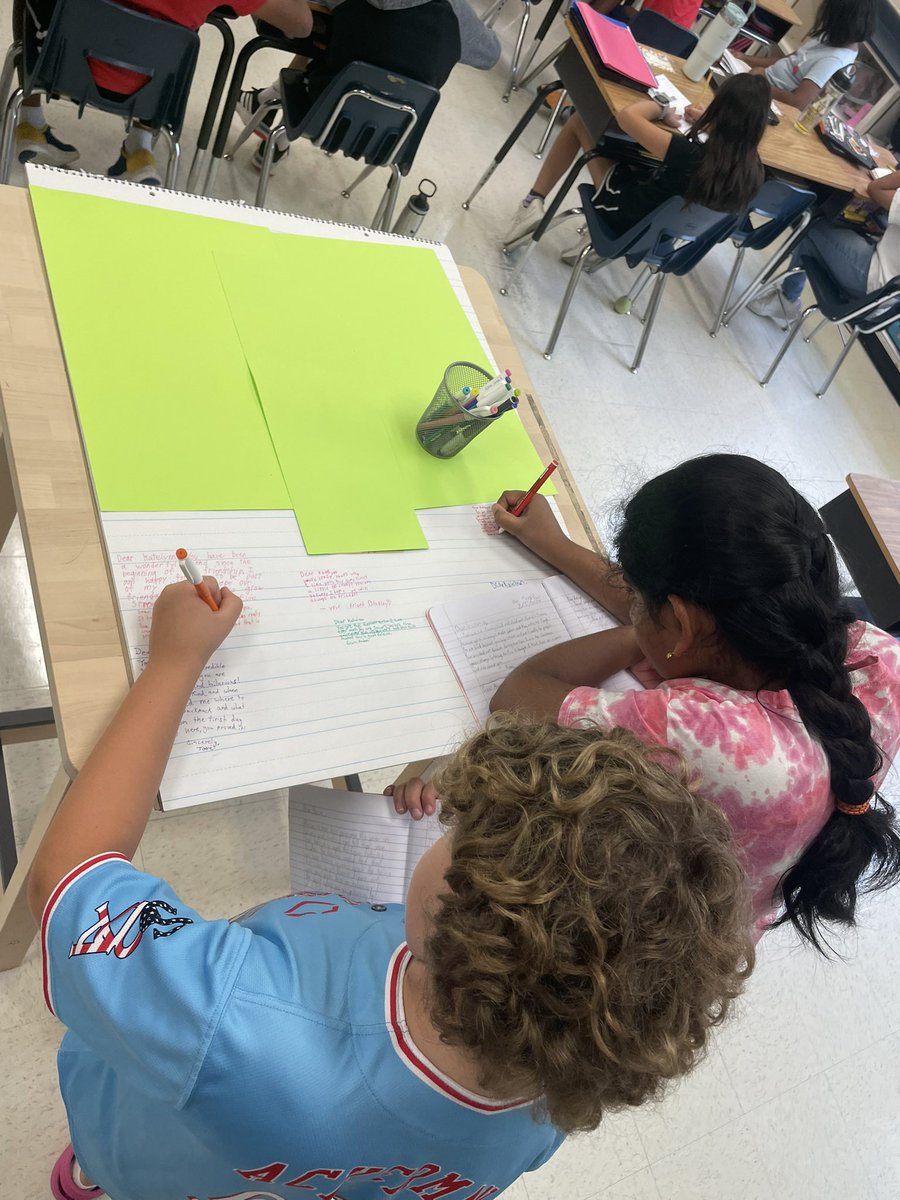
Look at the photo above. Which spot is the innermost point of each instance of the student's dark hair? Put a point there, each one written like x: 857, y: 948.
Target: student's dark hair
x: 730, y: 534
x: 731, y: 171
x: 844, y: 22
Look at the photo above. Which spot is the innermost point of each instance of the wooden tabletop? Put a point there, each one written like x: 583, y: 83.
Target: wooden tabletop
x: 783, y: 148
x: 879, y: 503
x: 780, y: 9
x: 73, y: 592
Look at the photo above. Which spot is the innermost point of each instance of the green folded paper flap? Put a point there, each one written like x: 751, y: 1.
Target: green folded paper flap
x: 167, y: 408
x: 348, y: 342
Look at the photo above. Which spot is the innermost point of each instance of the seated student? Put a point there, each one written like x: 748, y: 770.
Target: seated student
x: 722, y: 172
x: 565, y: 949
x: 681, y: 12
x: 856, y: 264
x: 786, y: 709
x: 36, y: 141
x: 423, y: 39
x: 832, y: 45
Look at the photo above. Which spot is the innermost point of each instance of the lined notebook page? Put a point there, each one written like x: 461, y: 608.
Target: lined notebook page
x: 354, y: 843
x: 332, y: 668
x: 581, y: 615
x: 486, y: 637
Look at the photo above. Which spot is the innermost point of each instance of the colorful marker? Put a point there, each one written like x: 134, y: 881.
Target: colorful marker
x: 193, y: 575
x: 533, y: 490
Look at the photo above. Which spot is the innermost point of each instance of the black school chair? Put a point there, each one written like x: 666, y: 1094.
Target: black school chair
x: 218, y: 19
x: 651, y: 28
x: 862, y: 314
x: 163, y: 51
x: 669, y: 241
x: 364, y: 112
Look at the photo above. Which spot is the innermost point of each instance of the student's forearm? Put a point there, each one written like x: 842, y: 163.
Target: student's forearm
x: 540, y: 684
x: 594, y: 574
x: 107, y: 807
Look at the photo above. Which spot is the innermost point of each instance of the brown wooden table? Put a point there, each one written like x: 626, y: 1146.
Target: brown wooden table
x: 865, y: 524
x: 784, y: 149
x: 44, y: 476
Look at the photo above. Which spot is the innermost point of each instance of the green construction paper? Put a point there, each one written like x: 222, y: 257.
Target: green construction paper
x: 347, y: 350
x: 166, y: 403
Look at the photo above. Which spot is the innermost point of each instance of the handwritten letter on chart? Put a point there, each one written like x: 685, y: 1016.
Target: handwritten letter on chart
x: 332, y: 667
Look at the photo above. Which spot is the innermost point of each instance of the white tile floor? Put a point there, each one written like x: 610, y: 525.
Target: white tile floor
x: 801, y: 1093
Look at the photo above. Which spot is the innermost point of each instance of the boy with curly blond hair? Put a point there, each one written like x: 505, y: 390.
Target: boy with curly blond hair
x: 565, y: 949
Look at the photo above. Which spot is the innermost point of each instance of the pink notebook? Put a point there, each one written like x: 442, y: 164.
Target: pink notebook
x: 615, y: 46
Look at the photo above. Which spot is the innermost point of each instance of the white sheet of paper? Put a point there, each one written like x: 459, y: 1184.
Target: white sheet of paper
x: 354, y: 843
x: 332, y: 667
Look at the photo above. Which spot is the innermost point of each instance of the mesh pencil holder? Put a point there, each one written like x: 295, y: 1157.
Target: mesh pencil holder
x: 445, y: 427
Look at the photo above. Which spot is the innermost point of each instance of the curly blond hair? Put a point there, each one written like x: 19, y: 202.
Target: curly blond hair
x: 596, y: 925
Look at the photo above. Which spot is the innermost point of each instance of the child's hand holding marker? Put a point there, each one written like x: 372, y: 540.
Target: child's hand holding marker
x: 190, y: 622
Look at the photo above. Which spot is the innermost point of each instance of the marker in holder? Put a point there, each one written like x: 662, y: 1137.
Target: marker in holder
x: 446, y: 426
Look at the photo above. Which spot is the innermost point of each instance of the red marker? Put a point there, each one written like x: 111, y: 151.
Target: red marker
x: 534, y: 489
x: 193, y: 575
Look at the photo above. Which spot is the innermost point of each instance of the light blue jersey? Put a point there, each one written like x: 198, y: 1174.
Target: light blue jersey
x: 265, y: 1057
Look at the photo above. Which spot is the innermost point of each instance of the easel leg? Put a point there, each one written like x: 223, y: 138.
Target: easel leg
x: 17, y: 925
x: 7, y: 497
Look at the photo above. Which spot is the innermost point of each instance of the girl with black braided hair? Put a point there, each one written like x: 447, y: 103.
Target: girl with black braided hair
x: 787, y: 710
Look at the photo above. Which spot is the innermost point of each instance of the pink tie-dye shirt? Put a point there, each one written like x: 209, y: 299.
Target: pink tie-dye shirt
x: 751, y: 752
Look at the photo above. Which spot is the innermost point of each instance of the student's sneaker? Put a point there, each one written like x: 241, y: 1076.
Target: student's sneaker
x: 282, y: 150
x: 249, y: 105
x: 63, y: 1182
x: 42, y: 146
x: 137, y: 167
x: 773, y: 303
x: 528, y: 217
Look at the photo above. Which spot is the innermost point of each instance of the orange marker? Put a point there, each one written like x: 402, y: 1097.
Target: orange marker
x: 193, y: 575
x: 533, y: 490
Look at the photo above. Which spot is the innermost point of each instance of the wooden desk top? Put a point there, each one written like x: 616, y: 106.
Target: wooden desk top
x: 73, y: 592
x: 780, y: 9
x: 879, y: 503
x: 783, y: 147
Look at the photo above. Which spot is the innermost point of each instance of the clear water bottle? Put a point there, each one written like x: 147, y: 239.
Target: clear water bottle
x: 415, y: 210
x: 814, y: 112
x: 715, y: 39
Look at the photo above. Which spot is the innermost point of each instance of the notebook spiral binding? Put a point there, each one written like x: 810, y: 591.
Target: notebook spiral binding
x: 213, y: 202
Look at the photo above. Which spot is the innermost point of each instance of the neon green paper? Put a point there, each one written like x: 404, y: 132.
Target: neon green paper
x: 347, y: 349
x: 167, y: 407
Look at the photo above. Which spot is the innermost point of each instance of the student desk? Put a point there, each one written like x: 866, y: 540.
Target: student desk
x: 865, y: 524
x: 44, y: 476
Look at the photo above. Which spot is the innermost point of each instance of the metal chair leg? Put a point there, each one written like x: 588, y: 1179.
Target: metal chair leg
x: 809, y: 337
x: 769, y: 269
x: 384, y: 214
x: 649, y: 318
x: 512, y: 81
x: 268, y: 159
x: 554, y: 117
x: 542, y: 65
x: 517, y: 131
x: 8, y: 140
x: 196, y: 176
x: 493, y: 13
x: 729, y: 288
x: 566, y: 300
x: 851, y: 341
x: 508, y: 247
x: 8, y: 70
x: 364, y: 174
x: 174, y: 146
x: 788, y: 341
x: 251, y: 127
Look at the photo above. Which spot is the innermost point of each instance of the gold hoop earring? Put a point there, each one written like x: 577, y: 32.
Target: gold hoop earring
x: 671, y: 654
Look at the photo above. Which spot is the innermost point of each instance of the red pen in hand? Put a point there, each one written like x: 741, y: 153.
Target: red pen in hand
x: 534, y: 489
x: 194, y: 575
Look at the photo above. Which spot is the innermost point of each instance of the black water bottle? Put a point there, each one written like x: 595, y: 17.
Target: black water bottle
x: 415, y: 210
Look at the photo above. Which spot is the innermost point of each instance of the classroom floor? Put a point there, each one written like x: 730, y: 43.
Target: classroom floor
x: 800, y: 1093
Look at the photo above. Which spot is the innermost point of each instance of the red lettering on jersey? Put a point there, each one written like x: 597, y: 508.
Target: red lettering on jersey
x: 367, y: 1171
x: 412, y: 1175
x: 311, y: 908
x: 325, y: 1172
x: 264, y: 1174
x: 434, y: 1189
x: 483, y: 1192
x: 346, y: 899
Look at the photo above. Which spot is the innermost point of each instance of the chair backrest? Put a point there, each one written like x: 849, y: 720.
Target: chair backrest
x: 837, y: 305
x: 653, y: 29
x: 774, y: 207
x: 364, y: 112
x: 678, y: 235
x: 100, y: 31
